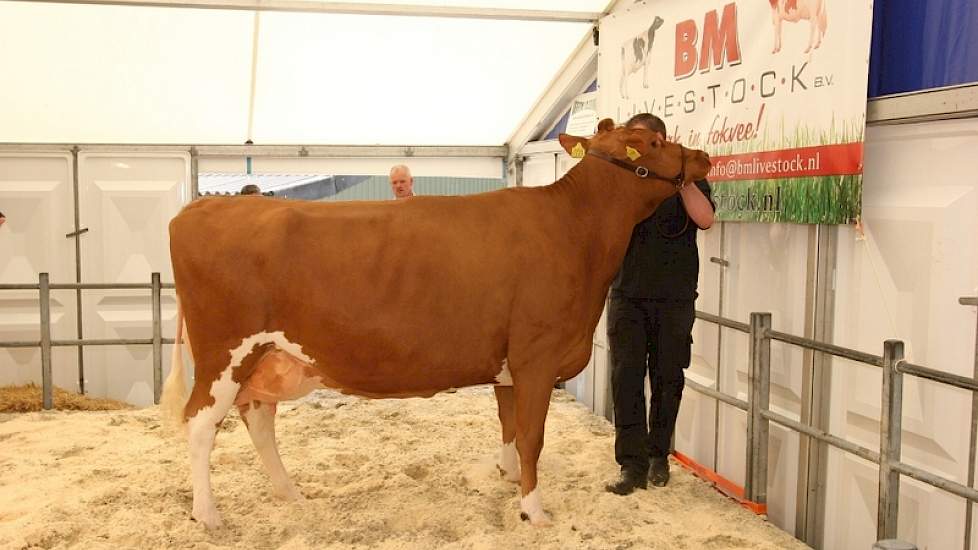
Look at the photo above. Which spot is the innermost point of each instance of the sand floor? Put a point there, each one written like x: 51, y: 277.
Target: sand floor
x: 389, y: 474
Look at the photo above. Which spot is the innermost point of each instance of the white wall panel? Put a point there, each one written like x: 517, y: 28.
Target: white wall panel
x: 127, y: 201
x: 539, y: 170
x: 767, y: 273
x: 36, y: 196
x: 901, y: 278
x: 696, y: 425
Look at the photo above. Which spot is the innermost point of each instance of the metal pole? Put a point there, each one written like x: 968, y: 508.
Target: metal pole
x: 194, y: 174
x: 824, y: 436
x: 47, y: 388
x: 891, y: 422
x: 719, y: 396
x: 403, y: 9
x: 892, y: 544
x: 724, y: 264
x: 518, y: 164
x: 810, y: 516
x: 157, y: 340
x: 941, y: 483
x: 723, y: 322
x: 807, y: 457
x: 78, y: 270
x: 969, y: 511
x: 760, y: 395
x: 255, y: 34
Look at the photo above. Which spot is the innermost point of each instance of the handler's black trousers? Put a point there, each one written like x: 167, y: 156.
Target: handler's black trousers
x: 653, y: 337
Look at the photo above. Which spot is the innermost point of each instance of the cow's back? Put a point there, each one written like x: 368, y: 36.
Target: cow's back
x: 367, y: 289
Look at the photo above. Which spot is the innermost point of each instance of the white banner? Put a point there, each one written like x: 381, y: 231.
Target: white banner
x: 774, y: 90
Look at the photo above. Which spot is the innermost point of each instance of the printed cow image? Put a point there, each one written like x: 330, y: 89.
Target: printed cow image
x: 635, y: 53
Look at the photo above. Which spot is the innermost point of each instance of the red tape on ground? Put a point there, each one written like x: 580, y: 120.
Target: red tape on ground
x: 721, y: 483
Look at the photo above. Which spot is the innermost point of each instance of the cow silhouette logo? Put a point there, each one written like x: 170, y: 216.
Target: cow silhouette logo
x: 794, y: 11
x: 635, y: 54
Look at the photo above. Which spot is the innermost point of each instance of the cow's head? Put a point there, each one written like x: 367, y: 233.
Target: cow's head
x: 641, y: 151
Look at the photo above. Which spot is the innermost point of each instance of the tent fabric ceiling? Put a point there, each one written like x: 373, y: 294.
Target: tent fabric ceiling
x: 555, y: 5
x: 125, y: 74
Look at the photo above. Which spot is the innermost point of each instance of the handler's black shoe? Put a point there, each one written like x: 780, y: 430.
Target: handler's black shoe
x: 627, y: 482
x: 659, y: 471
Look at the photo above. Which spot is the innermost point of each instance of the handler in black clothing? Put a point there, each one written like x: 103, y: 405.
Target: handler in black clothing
x: 650, y: 323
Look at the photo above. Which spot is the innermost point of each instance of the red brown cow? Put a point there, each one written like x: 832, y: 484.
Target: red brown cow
x: 408, y: 298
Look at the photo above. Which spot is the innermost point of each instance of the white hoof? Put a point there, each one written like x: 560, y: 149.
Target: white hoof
x: 291, y: 494
x: 541, y: 519
x: 209, y: 517
x: 531, y: 509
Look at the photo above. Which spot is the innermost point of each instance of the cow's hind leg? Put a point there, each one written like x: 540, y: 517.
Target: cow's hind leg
x: 819, y: 20
x: 509, y: 460
x: 260, y: 419
x: 532, y: 396
x: 201, y: 429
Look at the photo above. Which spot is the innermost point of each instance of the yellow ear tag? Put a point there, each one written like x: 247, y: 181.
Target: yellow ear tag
x: 578, y: 151
x: 632, y: 153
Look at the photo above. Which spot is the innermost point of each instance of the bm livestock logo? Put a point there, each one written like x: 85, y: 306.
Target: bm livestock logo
x: 720, y: 42
x: 708, y: 46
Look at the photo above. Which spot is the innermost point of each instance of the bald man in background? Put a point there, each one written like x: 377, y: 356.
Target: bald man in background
x: 402, y: 183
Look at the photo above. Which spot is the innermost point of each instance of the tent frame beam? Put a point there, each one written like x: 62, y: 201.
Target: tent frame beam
x: 280, y: 151
x: 959, y: 101
x: 322, y: 6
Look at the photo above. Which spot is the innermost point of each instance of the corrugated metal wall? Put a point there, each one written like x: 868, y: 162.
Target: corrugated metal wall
x: 378, y: 187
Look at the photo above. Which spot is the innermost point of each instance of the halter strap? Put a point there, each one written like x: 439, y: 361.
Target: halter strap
x: 644, y: 172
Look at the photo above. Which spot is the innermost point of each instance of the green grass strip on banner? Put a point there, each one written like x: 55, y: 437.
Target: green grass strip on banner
x: 816, y: 199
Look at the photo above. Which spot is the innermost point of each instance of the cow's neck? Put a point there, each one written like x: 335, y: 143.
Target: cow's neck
x: 605, y: 203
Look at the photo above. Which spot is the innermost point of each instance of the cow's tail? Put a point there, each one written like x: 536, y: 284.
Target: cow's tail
x: 174, y: 397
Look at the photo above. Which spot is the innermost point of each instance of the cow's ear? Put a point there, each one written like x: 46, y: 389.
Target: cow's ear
x: 575, y: 146
x: 606, y: 125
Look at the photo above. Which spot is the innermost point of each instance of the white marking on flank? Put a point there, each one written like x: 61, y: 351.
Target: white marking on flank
x: 504, y: 378
x: 278, y: 338
x: 202, y: 427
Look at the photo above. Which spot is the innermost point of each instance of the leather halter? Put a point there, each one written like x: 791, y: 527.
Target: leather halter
x: 644, y: 172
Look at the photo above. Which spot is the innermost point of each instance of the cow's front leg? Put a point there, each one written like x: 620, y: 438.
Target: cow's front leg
x: 776, y: 21
x: 645, y: 70
x: 260, y: 419
x: 509, y: 460
x: 532, y: 393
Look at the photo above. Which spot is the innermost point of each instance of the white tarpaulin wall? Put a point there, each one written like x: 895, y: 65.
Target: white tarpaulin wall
x: 129, y: 74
